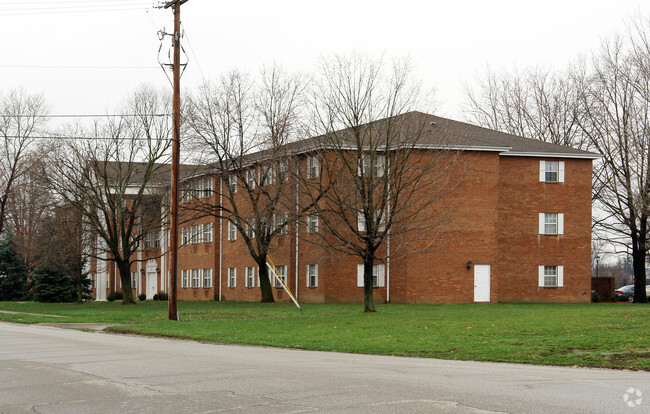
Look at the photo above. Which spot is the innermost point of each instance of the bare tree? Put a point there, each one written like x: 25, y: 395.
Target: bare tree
x: 21, y: 118
x: 380, y: 175
x: 244, y: 129
x: 116, y: 177
x: 537, y: 104
x: 616, y: 121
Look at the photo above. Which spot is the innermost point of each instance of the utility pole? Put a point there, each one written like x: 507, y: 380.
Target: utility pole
x: 176, y: 150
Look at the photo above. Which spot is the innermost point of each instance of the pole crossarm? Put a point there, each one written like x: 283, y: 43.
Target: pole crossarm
x: 276, y: 275
x: 173, y: 3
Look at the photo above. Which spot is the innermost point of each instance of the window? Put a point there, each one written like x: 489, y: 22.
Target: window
x: 551, y: 171
x: 250, y: 277
x: 361, y: 221
x: 250, y: 179
x: 207, y: 278
x: 551, y: 276
x: 196, y: 189
x: 196, y: 280
x: 207, y: 187
x: 152, y: 240
x: 282, y: 223
x: 232, y: 231
x: 312, y: 275
x: 282, y: 272
x: 283, y: 172
x: 232, y: 183
x: 196, y: 234
x: 232, y: 277
x: 312, y: 222
x: 266, y: 175
x: 134, y: 280
x: 378, y: 278
x: 185, y: 193
x: 313, y: 167
x: 185, y: 279
x: 250, y: 228
x: 372, y: 165
x: 185, y: 235
x: 551, y: 223
x: 207, y: 232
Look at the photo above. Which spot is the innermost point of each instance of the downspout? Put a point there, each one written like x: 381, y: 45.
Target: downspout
x: 297, y: 237
x: 220, y: 235
x: 388, y: 242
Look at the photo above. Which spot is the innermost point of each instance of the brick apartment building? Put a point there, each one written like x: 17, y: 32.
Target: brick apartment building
x: 518, y: 230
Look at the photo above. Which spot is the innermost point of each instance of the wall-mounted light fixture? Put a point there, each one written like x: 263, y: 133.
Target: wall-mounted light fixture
x: 469, y: 265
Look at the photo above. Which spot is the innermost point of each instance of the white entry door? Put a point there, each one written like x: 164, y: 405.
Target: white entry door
x: 152, y: 284
x: 481, y: 283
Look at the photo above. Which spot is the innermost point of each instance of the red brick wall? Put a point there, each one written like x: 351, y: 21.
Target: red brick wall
x: 521, y: 249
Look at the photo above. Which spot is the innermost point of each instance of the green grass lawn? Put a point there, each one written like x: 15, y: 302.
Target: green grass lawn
x: 614, y: 335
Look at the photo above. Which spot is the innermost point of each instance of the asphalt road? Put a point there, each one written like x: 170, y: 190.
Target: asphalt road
x: 51, y: 370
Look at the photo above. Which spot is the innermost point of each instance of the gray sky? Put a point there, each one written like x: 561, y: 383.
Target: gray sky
x: 87, y: 62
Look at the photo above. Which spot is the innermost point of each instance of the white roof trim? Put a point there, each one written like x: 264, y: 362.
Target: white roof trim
x: 588, y: 156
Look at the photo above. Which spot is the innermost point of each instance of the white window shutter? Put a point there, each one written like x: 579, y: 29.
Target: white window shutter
x: 316, y: 266
x: 560, y: 223
x: 380, y: 275
x: 560, y: 173
x: 307, y: 276
x: 541, y: 223
x: 541, y: 276
x: 542, y: 171
x: 360, y: 275
x: 560, y: 276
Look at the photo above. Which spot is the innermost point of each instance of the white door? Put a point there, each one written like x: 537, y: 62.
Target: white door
x: 100, y: 286
x: 152, y: 284
x: 481, y: 283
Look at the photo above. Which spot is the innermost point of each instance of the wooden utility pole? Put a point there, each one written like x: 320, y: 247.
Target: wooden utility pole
x: 176, y: 150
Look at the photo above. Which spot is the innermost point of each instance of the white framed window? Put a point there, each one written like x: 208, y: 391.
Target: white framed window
x: 312, y: 222
x: 551, y: 276
x: 232, y: 231
x: 250, y: 178
x: 196, y: 278
x: 266, y: 175
x: 185, y: 193
x: 207, y: 278
x: 196, y: 234
x: 207, y: 232
x: 282, y: 272
x: 250, y: 277
x: 184, y: 279
x: 232, y: 183
x: 207, y: 186
x: 282, y: 223
x: 134, y: 280
x: 312, y: 275
x: 283, y: 171
x: 361, y: 221
x: 196, y: 189
x: 152, y: 240
x: 378, y: 278
x: 551, y: 171
x: 551, y: 223
x: 250, y: 228
x: 313, y: 166
x: 185, y: 232
x: 232, y: 277
x: 371, y: 166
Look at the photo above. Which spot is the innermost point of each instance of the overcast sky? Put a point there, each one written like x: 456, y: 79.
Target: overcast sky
x: 86, y: 56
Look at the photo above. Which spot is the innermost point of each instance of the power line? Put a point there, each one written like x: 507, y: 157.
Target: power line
x: 62, y: 2
x: 85, y: 138
x: 75, y: 67
x: 2, y: 12
x: 80, y: 115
